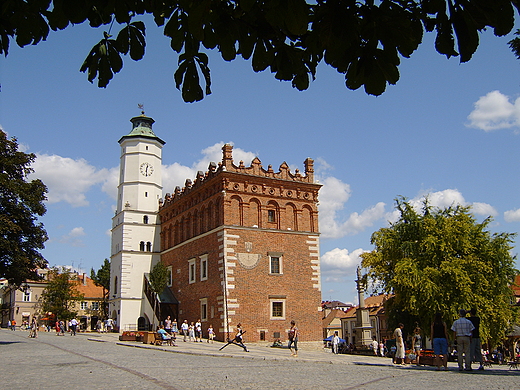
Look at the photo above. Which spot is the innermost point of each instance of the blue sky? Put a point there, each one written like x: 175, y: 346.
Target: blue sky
x: 446, y: 129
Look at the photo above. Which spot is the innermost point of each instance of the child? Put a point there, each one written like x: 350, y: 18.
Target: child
x: 211, y: 333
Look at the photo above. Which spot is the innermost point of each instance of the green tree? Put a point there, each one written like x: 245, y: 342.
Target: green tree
x: 102, y: 278
x: 363, y: 40
x: 21, y: 203
x: 158, y: 281
x: 444, y: 260
x: 60, y: 295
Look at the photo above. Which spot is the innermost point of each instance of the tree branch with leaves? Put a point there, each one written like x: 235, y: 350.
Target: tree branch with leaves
x: 22, y: 237
x: 60, y: 295
x: 363, y: 40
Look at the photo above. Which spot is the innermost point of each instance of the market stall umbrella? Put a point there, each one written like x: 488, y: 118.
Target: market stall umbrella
x: 331, y: 337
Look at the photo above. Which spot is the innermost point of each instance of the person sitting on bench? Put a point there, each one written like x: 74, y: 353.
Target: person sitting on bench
x: 164, y: 335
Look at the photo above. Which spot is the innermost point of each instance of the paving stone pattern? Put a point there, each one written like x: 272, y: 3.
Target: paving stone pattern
x: 94, y: 361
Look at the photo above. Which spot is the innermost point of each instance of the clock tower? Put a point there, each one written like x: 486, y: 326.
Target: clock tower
x: 135, y: 225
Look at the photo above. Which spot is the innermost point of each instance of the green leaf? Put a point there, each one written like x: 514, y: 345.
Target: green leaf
x: 297, y: 16
x: 262, y: 57
x: 102, y: 62
x: 467, y: 34
x: 301, y: 81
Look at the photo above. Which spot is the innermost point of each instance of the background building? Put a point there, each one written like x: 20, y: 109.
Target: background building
x: 90, y: 309
x: 22, y: 303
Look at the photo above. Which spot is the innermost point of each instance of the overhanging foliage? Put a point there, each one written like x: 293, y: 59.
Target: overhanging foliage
x: 364, y: 40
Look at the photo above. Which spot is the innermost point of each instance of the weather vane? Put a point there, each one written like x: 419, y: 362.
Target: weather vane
x: 141, y: 107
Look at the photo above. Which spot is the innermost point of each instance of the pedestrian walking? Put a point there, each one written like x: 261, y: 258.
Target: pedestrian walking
x: 382, y: 348
x: 417, y: 344
x: 73, y: 326
x: 399, y: 343
x: 198, y: 331
x: 185, y: 328
x: 168, y: 325
x: 374, y: 345
x: 191, y: 332
x: 335, y: 343
x: 439, y: 333
x: 211, y: 334
x: 293, y: 339
x: 463, y: 328
x: 475, y: 346
x: 33, y: 329
x: 175, y: 328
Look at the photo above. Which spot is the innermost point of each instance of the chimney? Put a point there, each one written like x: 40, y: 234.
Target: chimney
x: 84, y: 279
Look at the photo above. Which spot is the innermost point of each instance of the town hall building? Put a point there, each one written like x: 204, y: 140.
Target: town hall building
x: 241, y: 243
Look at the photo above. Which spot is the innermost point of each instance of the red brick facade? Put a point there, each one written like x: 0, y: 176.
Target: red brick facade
x: 243, y: 246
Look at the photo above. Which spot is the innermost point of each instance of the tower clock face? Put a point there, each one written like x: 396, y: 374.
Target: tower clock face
x: 146, y: 169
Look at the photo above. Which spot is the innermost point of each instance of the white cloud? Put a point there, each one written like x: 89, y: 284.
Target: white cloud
x: 110, y: 182
x: 494, y: 111
x: 484, y: 209
x: 512, y: 215
x: 333, y: 196
x: 444, y: 199
x: 73, y: 237
x: 341, y: 258
x: 176, y: 174
x: 67, y: 179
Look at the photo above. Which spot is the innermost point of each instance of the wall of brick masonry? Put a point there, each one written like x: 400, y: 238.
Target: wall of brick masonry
x: 238, y: 217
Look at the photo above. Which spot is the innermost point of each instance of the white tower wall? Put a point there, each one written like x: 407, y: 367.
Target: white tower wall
x: 135, y: 229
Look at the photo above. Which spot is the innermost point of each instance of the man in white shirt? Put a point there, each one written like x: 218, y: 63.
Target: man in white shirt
x: 73, y: 326
x: 463, y: 328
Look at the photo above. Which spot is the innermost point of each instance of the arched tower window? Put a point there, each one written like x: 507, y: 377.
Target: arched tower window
x: 145, y: 219
x: 148, y: 246
x: 141, y: 246
x: 115, y: 285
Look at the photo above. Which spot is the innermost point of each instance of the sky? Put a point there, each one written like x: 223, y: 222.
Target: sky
x: 447, y: 130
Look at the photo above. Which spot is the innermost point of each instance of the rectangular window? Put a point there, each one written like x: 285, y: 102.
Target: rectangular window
x: 277, y: 307
x: 275, y: 263
x: 191, y: 270
x: 204, y: 267
x: 271, y: 216
x: 204, y: 309
x: 169, y: 277
x: 27, y: 296
x: 95, y: 305
x: 84, y: 305
x: 277, y: 310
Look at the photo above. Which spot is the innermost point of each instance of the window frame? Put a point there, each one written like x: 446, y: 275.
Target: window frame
x: 169, y: 271
x: 26, y: 296
x: 272, y: 302
x: 83, y: 305
x: 203, y: 267
x: 192, y: 271
x: 203, y: 309
x: 279, y: 256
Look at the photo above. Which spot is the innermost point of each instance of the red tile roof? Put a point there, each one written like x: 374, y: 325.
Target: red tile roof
x: 88, y: 289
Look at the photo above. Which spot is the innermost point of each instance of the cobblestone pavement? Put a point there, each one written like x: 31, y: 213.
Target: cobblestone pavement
x: 95, y: 361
